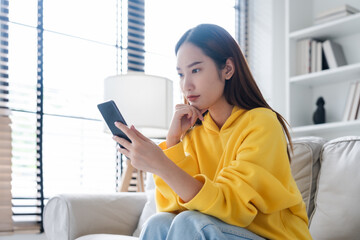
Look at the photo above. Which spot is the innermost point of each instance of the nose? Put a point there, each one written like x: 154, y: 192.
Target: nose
x: 187, y: 83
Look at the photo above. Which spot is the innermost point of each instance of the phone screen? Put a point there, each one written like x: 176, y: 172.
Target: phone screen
x: 111, y: 114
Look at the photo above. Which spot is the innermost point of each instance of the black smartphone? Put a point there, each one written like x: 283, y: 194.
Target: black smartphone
x: 111, y: 114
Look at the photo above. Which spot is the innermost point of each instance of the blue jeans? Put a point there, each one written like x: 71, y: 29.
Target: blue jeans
x: 192, y: 225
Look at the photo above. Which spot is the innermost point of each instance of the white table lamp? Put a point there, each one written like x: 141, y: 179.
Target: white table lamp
x: 145, y: 101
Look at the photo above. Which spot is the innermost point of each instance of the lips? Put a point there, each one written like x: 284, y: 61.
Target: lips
x: 192, y: 98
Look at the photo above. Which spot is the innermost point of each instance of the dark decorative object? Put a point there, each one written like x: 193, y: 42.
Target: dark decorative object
x: 319, y: 114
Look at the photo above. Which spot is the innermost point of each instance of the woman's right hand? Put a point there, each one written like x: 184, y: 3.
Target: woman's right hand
x: 184, y: 117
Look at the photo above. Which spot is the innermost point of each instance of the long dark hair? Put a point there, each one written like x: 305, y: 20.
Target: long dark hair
x: 241, y: 89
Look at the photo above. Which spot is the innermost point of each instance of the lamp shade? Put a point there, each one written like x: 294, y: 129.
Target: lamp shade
x: 145, y: 101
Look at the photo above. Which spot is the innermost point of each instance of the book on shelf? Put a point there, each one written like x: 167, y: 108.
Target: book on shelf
x: 313, y: 58
x: 303, y: 56
x: 325, y: 64
x: 303, y: 53
x: 356, y: 102
x: 352, y: 102
x: 357, y: 116
x: 335, y: 13
x: 334, y: 54
x: 319, y: 56
x: 355, y: 105
x: 310, y: 56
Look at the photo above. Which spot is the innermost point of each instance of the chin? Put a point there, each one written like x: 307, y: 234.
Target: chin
x: 197, y: 106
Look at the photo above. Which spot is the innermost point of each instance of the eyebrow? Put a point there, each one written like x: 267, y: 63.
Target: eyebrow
x: 190, y: 65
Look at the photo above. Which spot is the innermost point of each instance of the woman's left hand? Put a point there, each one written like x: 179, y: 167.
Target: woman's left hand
x: 144, y: 154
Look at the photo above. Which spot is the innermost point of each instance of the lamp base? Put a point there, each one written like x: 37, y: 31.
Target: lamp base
x: 126, y: 180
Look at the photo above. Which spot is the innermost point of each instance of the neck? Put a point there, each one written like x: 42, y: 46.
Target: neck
x: 220, y: 113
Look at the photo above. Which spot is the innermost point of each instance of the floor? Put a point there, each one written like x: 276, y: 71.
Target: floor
x: 23, y: 237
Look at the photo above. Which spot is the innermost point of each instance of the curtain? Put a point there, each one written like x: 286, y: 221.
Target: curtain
x: 6, y: 223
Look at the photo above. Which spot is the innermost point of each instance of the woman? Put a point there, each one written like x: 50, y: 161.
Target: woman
x: 223, y: 171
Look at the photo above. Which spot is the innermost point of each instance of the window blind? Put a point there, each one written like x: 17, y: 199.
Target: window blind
x: 25, y: 102
x: 135, y: 62
x: 136, y: 35
x: 258, y: 43
x: 254, y: 29
x: 57, y: 66
x: 242, y: 25
x: 6, y: 223
x: 56, y: 70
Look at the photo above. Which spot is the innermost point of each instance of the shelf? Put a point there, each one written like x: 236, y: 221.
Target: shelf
x: 303, y: 91
x: 343, y: 73
x: 350, y: 126
x: 341, y: 27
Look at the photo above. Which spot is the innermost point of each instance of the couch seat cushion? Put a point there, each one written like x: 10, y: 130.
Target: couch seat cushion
x: 106, y: 237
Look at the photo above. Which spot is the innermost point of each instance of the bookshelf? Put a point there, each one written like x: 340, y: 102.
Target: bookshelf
x: 332, y: 84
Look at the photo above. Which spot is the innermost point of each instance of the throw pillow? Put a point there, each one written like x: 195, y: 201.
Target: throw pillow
x: 336, y: 213
x: 150, y: 205
x: 305, y: 166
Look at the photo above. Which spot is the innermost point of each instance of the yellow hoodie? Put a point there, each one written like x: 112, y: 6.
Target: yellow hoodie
x: 246, y: 174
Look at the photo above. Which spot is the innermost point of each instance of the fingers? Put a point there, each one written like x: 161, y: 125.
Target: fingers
x: 124, y: 151
x: 126, y: 130
x: 131, y: 132
x: 123, y: 142
x: 203, y: 111
x: 139, y: 134
x: 191, y: 112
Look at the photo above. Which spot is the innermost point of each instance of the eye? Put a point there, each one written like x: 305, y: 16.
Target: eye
x: 195, y: 70
x: 180, y: 75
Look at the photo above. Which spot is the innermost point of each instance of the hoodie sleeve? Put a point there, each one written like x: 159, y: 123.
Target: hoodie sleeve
x: 256, y: 178
x: 166, y: 198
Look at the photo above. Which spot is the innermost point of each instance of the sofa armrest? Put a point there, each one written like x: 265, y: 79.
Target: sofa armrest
x: 69, y: 216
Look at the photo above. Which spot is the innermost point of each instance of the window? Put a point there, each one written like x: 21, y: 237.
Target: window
x: 55, y: 82
x: 59, y: 54
x: 164, y: 28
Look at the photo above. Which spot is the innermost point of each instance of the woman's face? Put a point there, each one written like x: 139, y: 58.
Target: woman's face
x: 201, y: 82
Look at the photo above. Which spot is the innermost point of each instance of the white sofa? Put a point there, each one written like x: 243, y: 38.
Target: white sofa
x: 326, y: 174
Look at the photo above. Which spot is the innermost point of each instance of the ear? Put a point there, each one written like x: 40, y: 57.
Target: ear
x: 229, y: 69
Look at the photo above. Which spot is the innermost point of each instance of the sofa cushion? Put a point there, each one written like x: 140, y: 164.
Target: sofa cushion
x: 106, y: 237
x: 337, y: 212
x: 305, y: 167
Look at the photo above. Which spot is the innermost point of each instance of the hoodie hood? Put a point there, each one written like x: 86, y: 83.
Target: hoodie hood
x: 210, y: 125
